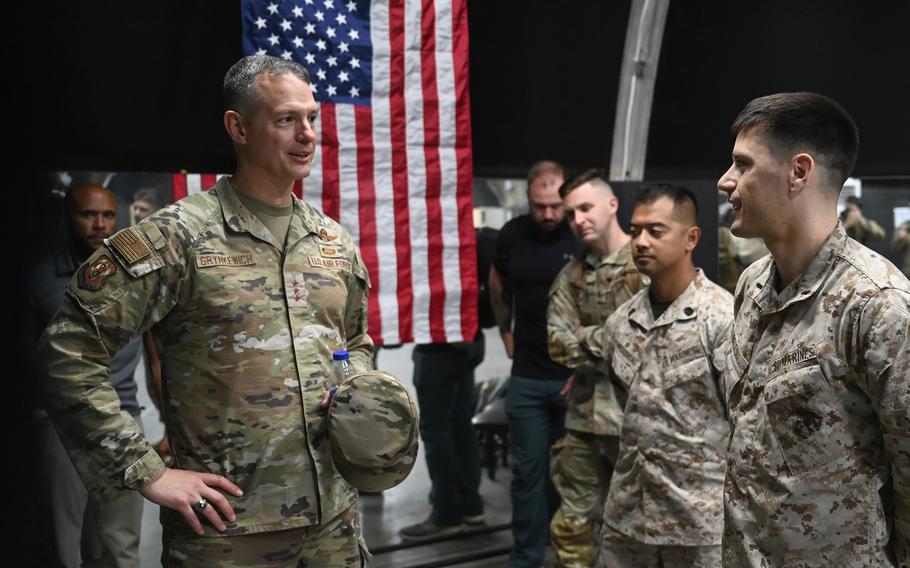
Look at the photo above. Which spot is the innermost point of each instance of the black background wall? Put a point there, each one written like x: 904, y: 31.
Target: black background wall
x: 136, y: 85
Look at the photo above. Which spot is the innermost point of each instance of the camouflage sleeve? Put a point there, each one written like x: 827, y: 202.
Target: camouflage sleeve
x: 874, y: 229
x: 720, y: 347
x: 562, y: 321
x: 607, y: 338
x: 359, y: 343
x: 901, y: 240
x: 109, y: 301
x: 883, y: 351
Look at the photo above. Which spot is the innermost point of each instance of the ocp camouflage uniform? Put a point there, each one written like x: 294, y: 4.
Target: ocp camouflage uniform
x: 586, y: 291
x: 667, y: 487
x: 245, y: 327
x: 818, y: 390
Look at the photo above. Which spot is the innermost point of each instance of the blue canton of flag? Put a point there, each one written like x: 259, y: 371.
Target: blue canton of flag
x: 331, y: 38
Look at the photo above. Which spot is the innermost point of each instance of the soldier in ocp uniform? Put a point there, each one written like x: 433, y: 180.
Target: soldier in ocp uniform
x: 818, y: 380
x: 588, y: 289
x: 901, y: 245
x: 247, y: 291
x: 666, y: 351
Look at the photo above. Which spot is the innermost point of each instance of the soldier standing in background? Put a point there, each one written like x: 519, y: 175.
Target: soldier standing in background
x: 587, y: 290
x: 248, y: 292
x: 818, y: 380
x: 666, y: 349
x: 81, y: 530
x: 857, y: 225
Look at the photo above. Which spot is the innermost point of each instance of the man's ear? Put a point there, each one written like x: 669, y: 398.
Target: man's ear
x: 614, y: 204
x: 802, y: 170
x: 233, y: 123
x: 693, y: 235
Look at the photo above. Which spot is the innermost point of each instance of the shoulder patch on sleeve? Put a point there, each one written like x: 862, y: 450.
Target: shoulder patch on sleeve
x: 154, y: 235
x: 93, y: 276
x: 130, y: 244
x: 135, y: 250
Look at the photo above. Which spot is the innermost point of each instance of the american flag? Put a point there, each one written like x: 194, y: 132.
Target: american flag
x: 394, y: 159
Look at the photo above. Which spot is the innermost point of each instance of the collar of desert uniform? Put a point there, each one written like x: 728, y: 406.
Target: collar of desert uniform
x: 241, y: 219
x: 684, y: 307
x: 806, y: 284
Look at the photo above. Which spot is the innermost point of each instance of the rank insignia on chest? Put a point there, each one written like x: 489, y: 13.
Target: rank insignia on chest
x: 94, y: 276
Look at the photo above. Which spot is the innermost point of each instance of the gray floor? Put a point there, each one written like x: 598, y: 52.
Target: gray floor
x: 406, y: 504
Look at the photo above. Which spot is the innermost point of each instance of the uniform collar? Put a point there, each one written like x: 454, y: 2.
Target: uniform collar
x: 806, y: 284
x: 619, y: 257
x: 242, y: 220
x: 684, y: 307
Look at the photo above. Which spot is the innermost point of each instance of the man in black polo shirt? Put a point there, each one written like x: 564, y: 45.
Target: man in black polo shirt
x: 530, y: 252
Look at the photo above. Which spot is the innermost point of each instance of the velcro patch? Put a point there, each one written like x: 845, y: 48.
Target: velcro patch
x: 331, y: 251
x: 154, y: 235
x: 207, y: 260
x: 130, y: 244
x: 95, y: 275
x: 339, y: 263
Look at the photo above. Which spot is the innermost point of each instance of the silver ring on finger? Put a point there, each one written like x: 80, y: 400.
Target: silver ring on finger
x: 200, y: 505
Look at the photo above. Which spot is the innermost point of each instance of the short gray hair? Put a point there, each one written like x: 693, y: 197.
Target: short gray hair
x: 241, y: 90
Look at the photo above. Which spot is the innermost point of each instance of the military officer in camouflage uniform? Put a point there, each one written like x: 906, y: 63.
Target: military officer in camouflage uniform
x: 247, y: 291
x: 666, y: 348
x: 587, y: 290
x: 818, y: 380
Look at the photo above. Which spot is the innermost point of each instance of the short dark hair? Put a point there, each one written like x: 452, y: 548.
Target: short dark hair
x: 803, y: 121
x: 854, y: 200
x: 542, y: 167
x: 683, y: 199
x: 241, y: 89
x: 596, y: 175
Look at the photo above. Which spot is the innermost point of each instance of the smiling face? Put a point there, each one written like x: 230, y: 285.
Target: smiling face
x: 662, y: 237
x: 277, y: 138
x: 591, y: 210
x: 756, y: 186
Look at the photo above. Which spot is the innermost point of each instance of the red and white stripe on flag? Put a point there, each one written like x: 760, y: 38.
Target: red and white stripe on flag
x: 397, y: 174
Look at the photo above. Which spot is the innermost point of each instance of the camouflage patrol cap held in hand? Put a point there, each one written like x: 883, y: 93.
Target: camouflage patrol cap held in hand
x: 373, y: 431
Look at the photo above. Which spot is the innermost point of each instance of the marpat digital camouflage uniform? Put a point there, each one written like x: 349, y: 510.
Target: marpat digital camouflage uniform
x: 667, y: 485
x: 245, y: 328
x: 584, y: 293
x: 818, y: 390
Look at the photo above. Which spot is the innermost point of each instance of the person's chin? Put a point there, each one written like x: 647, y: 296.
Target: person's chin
x: 740, y: 230
x: 547, y: 226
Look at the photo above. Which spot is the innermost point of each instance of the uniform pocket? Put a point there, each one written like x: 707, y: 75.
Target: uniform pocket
x: 805, y: 418
x: 694, y: 370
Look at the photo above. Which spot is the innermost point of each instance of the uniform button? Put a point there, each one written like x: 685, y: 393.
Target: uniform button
x: 688, y: 311
x: 758, y: 285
